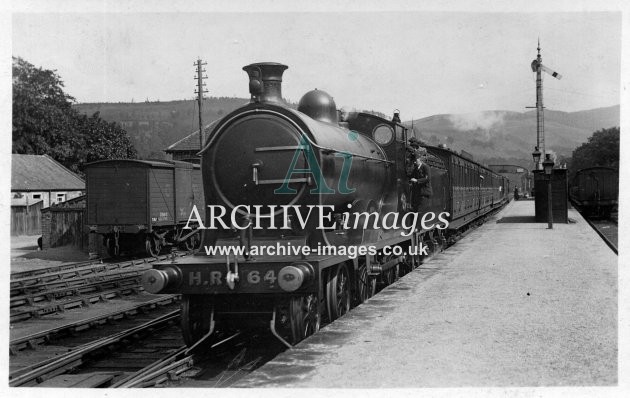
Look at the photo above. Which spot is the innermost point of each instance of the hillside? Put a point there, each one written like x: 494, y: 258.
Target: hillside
x: 153, y: 126
x: 492, y: 136
x: 509, y: 137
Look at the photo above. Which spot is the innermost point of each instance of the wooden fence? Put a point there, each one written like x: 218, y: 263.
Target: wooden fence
x: 26, y: 220
x: 64, y: 226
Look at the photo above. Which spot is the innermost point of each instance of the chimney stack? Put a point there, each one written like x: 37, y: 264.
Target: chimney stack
x: 265, y: 81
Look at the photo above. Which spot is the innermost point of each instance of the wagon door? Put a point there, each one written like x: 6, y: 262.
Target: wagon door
x: 184, y: 198
x: 161, y: 195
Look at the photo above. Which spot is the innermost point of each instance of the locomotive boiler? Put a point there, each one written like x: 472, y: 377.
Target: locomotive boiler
x: 265, y: 167
x: 267, y: 154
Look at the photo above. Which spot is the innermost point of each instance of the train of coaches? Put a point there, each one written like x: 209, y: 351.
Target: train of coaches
x: 270, y: 155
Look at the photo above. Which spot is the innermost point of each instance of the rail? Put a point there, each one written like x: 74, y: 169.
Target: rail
x: 169, y: 368
x: 39, y: 372
x: 34, y: 339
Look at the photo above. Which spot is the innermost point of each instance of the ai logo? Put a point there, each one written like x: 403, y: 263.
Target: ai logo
x: 314, y: 169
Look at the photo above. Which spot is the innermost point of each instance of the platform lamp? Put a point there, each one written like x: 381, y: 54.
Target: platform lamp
x: 536, y: 156
x: 548, y: 167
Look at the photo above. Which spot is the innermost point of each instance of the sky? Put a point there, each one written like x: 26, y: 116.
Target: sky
x: 420, y: 61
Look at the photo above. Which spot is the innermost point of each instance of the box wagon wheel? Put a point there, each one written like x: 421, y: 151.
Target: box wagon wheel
x: 112, y: 249
x: 153, y: 246
x: 193, y: 242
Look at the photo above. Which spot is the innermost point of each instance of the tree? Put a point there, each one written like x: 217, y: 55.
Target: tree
x: 602, y: 149
x: 44, y: 122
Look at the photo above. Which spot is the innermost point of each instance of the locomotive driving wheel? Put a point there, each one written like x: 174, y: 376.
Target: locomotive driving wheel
x: 366, y: 285
x: 304, y: 317
x: 153, y: 246
x: 196, y: 313
x: 338, y: 292
x: 404, y: 267
x: 390, y: 275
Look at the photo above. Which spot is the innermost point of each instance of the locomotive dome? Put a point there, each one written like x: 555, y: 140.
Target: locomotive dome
x: 319, y: 105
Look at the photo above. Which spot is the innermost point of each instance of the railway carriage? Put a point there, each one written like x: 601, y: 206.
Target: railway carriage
x: 595, y: 190
x: 473, y: 189
x: 269, y: 155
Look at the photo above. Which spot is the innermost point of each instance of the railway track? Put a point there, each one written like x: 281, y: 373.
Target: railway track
x: 137, y: 350
x: 49, y: 291
x: 149, y: 354
x: 183, y: 363
x: 93, y: 365
x: 48, y: 335
x: 58, y: 272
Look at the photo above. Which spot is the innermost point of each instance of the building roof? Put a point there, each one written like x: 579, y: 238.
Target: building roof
x: 190, y: 143
x: 42, y: 173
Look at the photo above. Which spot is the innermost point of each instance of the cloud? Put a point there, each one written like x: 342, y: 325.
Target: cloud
x: 486, y: 120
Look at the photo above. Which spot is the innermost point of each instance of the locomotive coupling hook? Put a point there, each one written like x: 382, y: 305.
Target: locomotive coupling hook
x: 232, y: 277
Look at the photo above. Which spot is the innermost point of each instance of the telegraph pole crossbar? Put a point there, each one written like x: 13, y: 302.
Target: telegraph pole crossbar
x: 200, y: 91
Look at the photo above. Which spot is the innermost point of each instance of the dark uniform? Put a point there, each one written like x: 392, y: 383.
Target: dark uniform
x: 421, y: 190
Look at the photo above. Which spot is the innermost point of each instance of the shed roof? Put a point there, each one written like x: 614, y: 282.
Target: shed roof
x: 191, y: 141
x: 42, y: 173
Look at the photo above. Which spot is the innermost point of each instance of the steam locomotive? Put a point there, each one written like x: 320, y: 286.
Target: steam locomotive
x: 267, y: 158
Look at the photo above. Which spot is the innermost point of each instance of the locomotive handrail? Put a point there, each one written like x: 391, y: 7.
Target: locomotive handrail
x: 324, y: 149
x: 280, y: 181
x: 227, y: 123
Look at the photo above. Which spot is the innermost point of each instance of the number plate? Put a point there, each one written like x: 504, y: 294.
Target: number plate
x: 211, y: 278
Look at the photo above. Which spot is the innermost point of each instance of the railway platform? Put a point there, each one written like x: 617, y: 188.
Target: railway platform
x: 511, y: 304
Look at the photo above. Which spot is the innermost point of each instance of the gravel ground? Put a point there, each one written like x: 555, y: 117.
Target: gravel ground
x: 512, y: 304
x: 26, y: 256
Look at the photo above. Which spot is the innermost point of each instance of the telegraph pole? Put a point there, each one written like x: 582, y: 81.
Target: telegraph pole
x: 200, y: 91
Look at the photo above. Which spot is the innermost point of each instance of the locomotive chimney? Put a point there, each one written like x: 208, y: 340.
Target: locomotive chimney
x: 265, y: 81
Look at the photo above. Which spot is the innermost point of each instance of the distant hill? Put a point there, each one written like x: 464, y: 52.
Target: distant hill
x: 492, y: 137
x: 153, y: 126
x: 495, y: 137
